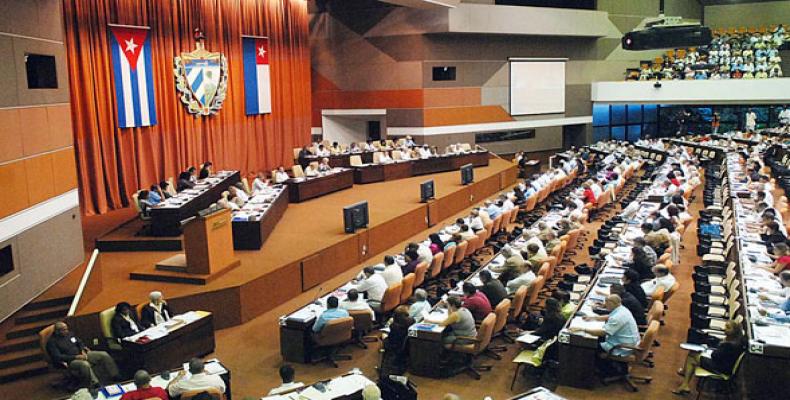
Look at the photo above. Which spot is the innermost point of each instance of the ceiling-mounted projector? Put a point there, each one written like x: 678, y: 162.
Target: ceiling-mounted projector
x: 667, y: 32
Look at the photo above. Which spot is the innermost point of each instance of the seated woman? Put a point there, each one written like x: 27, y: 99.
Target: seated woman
x: 437, y: 245
x: 124, y: 323
x: 720, y: 361
x: 156, y: 311
x: 459, y: 320
x: 781, y: 258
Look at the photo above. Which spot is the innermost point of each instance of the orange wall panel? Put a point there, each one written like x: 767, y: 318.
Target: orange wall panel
x: 452, y: 97
x: 332, y: 99
x: 10, y: 135
x: 464, y: 115
x: 39, y: 178
x: 64, y: 171
x: 59, y: 118
x: 14, y: 184
x: 36, y: 136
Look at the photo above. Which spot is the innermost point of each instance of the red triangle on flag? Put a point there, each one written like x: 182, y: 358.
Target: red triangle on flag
x: 131, y: 42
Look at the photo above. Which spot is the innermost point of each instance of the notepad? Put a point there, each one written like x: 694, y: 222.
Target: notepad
x: 527, y: 338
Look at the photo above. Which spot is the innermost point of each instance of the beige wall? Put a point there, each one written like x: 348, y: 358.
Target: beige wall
x: 36, y: 155
x: 748, y: 15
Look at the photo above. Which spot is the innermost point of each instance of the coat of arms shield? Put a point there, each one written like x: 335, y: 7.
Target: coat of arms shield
x: 202, y: 80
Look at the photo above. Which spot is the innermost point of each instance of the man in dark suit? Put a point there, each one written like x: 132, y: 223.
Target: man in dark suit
x: 67, y: 350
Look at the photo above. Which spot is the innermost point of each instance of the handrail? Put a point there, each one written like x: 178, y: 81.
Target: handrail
x: 85, y: 276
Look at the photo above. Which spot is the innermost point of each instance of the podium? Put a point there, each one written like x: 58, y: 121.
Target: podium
x: 208, y: 252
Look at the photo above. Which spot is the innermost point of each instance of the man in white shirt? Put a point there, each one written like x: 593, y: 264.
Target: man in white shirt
x: 425, y: 151
x: 531, y: 237
x: 663, y: 279
x: 392, y: 273
x: 322, y: 151
x: 385, y: 158
x: 751, y: 120
x: 287, y: 375
x: 475, y: 222
x: 240, y: 193
x: 421, y: 306
x: 373, y: 284
x: 507, y: 204
x: 199, y: 380
x: 423, y: 251
x: 260, y: 183
x: 311, y: 171
x: 354, y: 302
x: 784, y: 116
x: 280, y: 176
x: 466, y: 233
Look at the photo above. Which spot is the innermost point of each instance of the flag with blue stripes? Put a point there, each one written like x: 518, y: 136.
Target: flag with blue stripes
x: 257, y: 90
x: 134, y: 79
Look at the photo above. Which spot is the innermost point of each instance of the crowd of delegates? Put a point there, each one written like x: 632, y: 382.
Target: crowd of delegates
x: 739, y: 55
x: 388, y: 151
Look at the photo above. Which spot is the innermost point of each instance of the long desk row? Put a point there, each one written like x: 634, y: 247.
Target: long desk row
x: 577, y: 350
x: 255, y: 221
x: 369, y: 173
x: 768, y: 358
x: 166, y: 216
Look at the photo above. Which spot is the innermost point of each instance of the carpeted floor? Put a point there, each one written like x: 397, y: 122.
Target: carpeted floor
x: 252, y: 353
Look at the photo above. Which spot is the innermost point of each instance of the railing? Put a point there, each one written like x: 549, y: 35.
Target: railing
x: 83, y: 282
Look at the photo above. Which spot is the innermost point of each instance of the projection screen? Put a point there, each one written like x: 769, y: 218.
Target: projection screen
x: 537, y: 86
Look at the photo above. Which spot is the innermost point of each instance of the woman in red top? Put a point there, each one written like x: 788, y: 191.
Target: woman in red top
x: 589, y: 195
x: 782, y: 256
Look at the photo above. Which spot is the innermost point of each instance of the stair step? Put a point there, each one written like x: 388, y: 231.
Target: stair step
x: 23, y: 371
x: 41, y: 314
x: 29, y: 329
x: 18, y: 358
x: 48, y: 303
x: 23, y: 343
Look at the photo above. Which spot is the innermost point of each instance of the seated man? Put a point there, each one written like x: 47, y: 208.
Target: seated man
x: 373, y: 284
x: 620, y: 327
x: 332, y: 312
x: 475, y: 301
x: 280, y: 176
x: 324, y: 166
x: 663, y: 279
x: 524, y: 279
x: 492, y: 288
x: 536, y: 256
x: 260, y: 183
x: 354, y: 302
x: 199, y: 380
x: 392, y: 273
x: 67, y: 350
x: 287, y: 376
x: 421, y: 306
x: 142, y: 380
x: 311, y: 170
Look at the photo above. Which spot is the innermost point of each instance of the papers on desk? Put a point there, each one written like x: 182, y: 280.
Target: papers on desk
x: 188, y: 317
x: 342, y: 386
x: 581, y: 323
x: 527, y: 338
x: 771, y: 335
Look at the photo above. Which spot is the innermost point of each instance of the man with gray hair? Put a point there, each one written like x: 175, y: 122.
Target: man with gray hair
x: 199, y: 380
x: 421, y: 306
x: 620, y: 327
x: 142, y: 380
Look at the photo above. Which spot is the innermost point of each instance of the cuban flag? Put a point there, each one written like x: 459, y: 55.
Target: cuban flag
x: 134, y: 80
x: 257, y: 91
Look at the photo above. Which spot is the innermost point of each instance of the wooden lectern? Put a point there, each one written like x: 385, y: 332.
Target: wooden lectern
x: 208, y: 247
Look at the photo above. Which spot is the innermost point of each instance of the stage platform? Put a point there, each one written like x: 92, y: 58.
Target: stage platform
x: 307, y: 247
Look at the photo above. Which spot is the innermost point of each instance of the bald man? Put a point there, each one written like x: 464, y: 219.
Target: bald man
x: 142, y: 380
x: 67, y: 350
x: 620, y: 327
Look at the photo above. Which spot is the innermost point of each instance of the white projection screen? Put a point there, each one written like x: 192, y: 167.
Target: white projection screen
x: 537, y: 86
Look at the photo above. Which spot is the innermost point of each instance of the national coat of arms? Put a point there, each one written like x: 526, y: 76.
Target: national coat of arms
x: 201, y: 78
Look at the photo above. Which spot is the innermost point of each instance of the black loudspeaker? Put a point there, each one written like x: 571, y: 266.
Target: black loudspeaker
x: 667, y: 37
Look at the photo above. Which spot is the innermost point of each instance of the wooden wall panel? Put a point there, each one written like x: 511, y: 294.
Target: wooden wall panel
x: 14, y: 183
x: 59, y: 119
x: 64, y: 170
x: 453, y: 203
x: 508, y: 177
x: 311, y: 271
x: 464, y: 115
x: 329, y: 262
x: 10, y: 135
x: 269, y: 291
x: 36, y: 138
x: 224, y: 304
x: 396, y: 230
x: 39, y: 178
x: 484, y: 188
x: 433, y: 213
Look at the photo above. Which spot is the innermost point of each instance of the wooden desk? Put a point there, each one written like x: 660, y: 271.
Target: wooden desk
x: 309, y: 188
x: 250, y: 234
x: 343, y: 160
x: 195, y: 339
x: 406, y: 169
x: 158, y: 381
x: 344, y: 387
x: 166, y: 217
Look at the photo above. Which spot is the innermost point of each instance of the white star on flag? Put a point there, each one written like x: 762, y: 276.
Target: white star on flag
x: 130, y: 45
x: 261, y: 51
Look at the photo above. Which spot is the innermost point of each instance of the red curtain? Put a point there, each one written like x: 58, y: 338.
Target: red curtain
x: 113, y: 163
